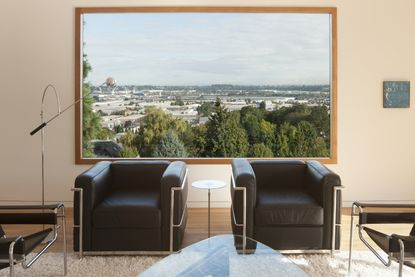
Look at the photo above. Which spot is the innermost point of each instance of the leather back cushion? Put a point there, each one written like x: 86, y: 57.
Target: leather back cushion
x: 137, y: 174
x: 279, y: 174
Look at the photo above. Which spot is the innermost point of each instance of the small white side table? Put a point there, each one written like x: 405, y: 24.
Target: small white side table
x: 208, y: 184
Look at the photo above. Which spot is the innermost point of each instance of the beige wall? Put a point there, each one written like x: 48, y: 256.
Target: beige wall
x: 376, y: 42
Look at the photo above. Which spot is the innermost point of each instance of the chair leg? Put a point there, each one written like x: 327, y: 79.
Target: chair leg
x: 402, y: 256
x: 350, y: 240
x: 65, y: 252
x: 11, y: 270
x: 11, y: 259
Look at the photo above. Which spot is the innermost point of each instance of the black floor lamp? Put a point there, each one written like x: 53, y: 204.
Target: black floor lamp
x: 43, y: 124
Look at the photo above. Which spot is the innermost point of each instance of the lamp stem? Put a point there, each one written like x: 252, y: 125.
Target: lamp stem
x: 58, y: 103
x: 42, y: 126
x: 42, y: 134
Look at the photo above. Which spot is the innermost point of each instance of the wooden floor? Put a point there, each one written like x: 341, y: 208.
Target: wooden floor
x: 196, y: 228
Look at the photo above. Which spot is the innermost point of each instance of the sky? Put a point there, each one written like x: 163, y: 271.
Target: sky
x: 208, y: 48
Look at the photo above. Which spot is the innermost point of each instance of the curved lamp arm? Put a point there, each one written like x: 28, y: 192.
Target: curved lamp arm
x: 58, y: 102
x: 44, y: 123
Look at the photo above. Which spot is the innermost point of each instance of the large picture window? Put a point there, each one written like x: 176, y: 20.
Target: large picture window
x: 206, y: 84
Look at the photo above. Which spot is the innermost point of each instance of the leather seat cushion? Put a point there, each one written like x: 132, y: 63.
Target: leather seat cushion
x: 129, y: 209
x: 287, y: 207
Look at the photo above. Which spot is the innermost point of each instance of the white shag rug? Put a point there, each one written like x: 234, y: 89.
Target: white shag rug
x: 316, y: 265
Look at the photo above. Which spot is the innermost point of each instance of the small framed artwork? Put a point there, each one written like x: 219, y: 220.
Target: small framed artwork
x: 396, y: 94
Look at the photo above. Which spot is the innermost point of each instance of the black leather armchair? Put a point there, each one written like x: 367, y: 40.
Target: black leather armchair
x: 126, y: 206
x: 290, y: 204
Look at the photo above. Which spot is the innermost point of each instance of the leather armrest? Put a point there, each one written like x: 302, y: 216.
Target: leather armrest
x: 243, y: 176
x: 95, y: 182
x: 320, y: 183
x: 175, y: 175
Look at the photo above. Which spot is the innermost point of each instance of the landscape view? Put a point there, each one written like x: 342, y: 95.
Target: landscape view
x: 182, y: 97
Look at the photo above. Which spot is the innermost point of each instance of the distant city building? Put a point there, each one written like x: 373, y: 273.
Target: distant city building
x: 128, y: 103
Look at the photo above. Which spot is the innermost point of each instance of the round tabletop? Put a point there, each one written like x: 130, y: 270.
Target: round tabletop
x: 209, y: 184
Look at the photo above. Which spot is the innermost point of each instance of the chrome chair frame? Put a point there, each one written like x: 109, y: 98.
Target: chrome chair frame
x: 12, y: 260
x: 104, y: 253
x: 243, y: 224
x: 401, y: 259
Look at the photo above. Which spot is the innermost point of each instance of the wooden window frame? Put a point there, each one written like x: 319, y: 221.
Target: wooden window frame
x: 78, y: 71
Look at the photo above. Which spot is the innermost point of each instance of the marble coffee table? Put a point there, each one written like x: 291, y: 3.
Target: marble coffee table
x: 218, y: 256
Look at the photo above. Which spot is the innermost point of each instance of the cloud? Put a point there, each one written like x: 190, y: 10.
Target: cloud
x: 180, y: 49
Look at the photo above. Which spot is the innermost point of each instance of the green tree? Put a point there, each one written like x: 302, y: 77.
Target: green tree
x: 128, y: 139
x: 225, y: 137
x: 320, y: 148
x: 260, y: 150
x: 303, y: 131
x: 205, y: 109
x: 267, y: 133
x: 86, y: 67
x: 155, y: 126
x: 320, y: 118
x: 308, y: 143
x: 259, y: 130
x: 250, y: 118
x: 292, y: 115
x: 303, y: 139
x: 198, y: 144
x: 129, y: 152
x: 91, y: 121
x: 177, y: 102
x: 285, y: 140
x: 300, y: 141
x: 251, y: 125
x: 170, y: 146
x: 105, y: 134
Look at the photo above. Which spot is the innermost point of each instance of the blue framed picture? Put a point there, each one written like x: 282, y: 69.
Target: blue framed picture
x: 396, y: 94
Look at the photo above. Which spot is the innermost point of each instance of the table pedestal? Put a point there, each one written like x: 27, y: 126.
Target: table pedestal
x: 208, y: 184
x: 209, y: 213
